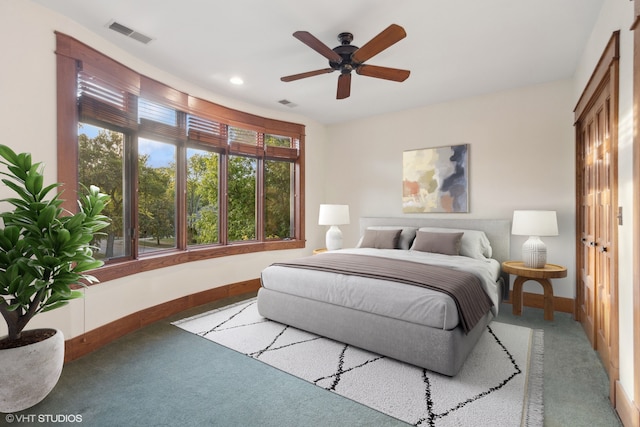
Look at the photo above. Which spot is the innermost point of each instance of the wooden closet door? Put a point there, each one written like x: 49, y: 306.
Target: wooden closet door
x: 603, y: 227
x: 586, y: 251
x: 596, y: 194
x: 596, y: 223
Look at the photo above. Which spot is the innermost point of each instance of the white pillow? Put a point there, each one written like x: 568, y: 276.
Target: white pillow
x: 406, y: 236
x: 474, y: 243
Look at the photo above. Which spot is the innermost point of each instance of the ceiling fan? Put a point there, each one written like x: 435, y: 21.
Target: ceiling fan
x: 347, y: 58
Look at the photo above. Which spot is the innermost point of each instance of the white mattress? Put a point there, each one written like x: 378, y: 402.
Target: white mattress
x: 406, y: 302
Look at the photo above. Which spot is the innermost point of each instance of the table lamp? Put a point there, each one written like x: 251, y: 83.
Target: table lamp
x: 333, y: 215
x: 534, y: 224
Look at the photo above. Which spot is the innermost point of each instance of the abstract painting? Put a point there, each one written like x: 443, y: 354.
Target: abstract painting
x: 436, y: 179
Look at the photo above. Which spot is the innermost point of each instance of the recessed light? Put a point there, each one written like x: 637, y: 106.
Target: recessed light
x: 236, y: 81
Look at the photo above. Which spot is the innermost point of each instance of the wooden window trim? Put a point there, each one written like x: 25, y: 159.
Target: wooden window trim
x: 73, y: 56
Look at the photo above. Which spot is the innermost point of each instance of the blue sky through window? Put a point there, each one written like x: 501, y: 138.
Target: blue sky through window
x: 160, y: 155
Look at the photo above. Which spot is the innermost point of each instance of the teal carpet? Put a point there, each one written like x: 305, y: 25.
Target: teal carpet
x: 163, y: 376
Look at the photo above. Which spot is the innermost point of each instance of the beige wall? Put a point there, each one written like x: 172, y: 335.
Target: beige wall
x: 27, y: 84
x: 520, y: 157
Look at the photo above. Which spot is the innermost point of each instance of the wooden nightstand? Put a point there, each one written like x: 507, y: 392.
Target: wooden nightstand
x: 540, y: 275
x: 319, y: 251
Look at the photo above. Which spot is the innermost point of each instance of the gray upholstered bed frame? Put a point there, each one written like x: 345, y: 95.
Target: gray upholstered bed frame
x: 497, y: 230
x: 438, y: 350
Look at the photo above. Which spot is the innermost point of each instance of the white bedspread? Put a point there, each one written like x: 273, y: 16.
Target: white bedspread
x: 406, y: 302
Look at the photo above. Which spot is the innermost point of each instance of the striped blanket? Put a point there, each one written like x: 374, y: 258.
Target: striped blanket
x: 464, y: 288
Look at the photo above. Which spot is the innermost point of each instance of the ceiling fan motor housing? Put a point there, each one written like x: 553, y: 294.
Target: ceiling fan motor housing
x: 345, y: 50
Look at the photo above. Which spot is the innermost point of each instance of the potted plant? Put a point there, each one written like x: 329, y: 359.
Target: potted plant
x: 45, y: 252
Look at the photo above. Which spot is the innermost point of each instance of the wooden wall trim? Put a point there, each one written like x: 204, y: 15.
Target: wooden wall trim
x: 628, y: 413
x: 90, y: 341
x: 611, y: 53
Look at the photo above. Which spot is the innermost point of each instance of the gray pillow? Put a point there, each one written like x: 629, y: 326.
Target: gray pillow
x: 439, y: 243
x: 407, y: 235
x: 380, y: 239
x: 474, y: 243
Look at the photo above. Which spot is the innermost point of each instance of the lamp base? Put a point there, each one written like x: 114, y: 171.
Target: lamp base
x: 333, y: 239
x: 534, y: 253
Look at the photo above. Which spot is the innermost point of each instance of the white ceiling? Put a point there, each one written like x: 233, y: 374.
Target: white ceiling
x: 454, y: 48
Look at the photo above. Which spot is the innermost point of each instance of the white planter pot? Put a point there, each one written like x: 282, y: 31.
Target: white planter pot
x: 29, y: 373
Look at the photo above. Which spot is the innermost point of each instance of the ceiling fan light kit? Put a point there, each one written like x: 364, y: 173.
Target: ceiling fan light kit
x: 347, y: 58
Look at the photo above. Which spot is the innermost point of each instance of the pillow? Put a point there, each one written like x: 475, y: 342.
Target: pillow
x: 439, y: 243
x: 474, y: 243
x: 407, y: 235
x: 380, y: 239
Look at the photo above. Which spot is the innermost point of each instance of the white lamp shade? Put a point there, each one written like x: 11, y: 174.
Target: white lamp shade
x: 333, y: 215
x: 534, y: 223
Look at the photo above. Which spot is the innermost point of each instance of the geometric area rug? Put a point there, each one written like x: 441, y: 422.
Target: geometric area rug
x: 500, y: 383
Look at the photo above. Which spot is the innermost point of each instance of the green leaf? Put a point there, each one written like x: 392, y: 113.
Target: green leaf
x: 30, y: 181
x: 13, y: 307
x: 87, y: 265
x: 29, y: 267
x: 12, y: 233
x: 63, y: 236
x: 37, y: 206
x: 14, y: 285
x: 15, y: 187
x: 19, y: 203
x: 24, y: 161
x: 40, y: 284
x: 47, y: 189
x: 75, y: 221
x: 54, y: 306
x: 5, y: 243
x: 19, y: 173
x: 50, y: 261
x: 46, y: 217
x: 4, y: 260
x: 61, y: 291
x: 8, y: 154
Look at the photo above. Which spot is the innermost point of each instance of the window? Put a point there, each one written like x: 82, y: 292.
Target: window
x: 101, y: 163
x: 242, y: 198
x: 188, y: 179
x: 203, y: 192
x: 279, y: 188
x: 156, y: 196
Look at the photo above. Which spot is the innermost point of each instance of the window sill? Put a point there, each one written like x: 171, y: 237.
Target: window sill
x: 117, y: 270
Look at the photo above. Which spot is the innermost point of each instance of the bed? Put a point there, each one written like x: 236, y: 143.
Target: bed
x: 415, y: 289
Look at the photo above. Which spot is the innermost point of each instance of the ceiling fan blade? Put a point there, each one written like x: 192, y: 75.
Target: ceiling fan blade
x: 315, y: 44
x: 344, y: 86
x: 305, y: 75
x: 391, y: 35
x: 395, y: 74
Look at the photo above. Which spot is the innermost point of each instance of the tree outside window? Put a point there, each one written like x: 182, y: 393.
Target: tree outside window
x: 188, y: 179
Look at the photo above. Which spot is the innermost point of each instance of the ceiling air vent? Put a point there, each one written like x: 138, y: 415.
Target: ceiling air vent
x: 287, y: 103
x: 123, y: 29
